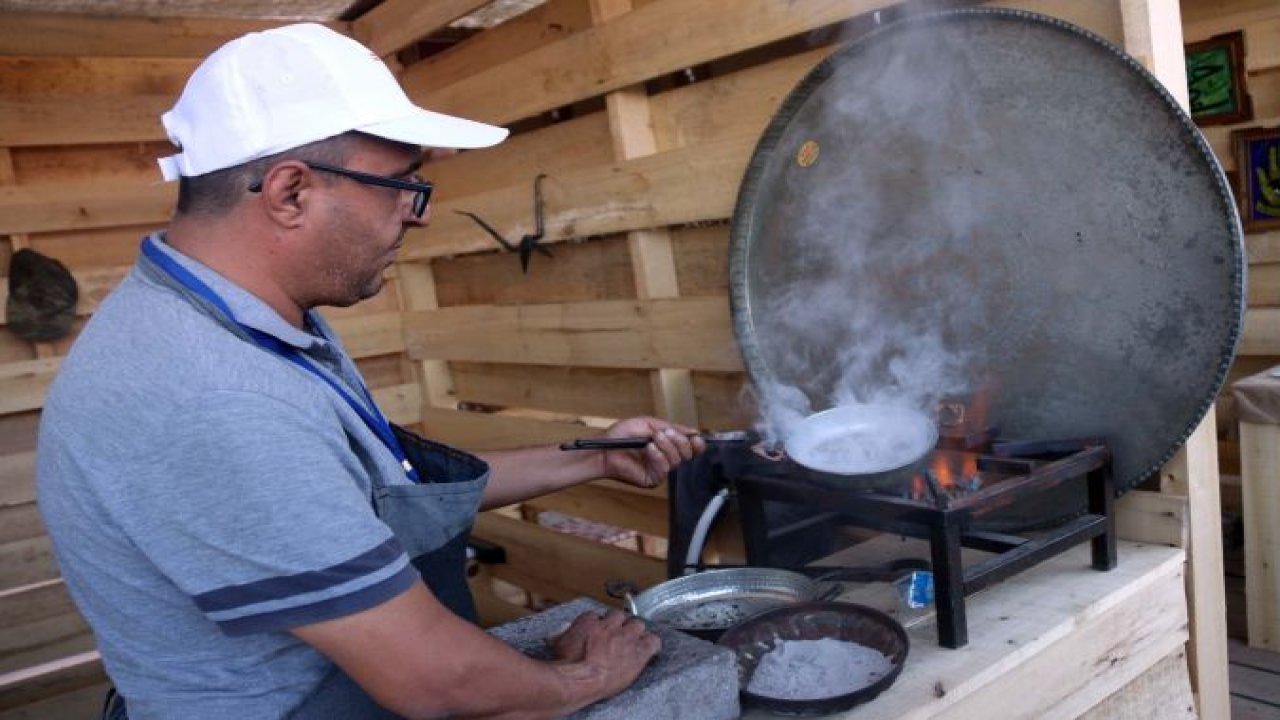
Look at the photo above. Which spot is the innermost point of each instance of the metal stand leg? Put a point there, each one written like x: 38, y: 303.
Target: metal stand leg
x: 948, y: 584
x: 1102, y: 498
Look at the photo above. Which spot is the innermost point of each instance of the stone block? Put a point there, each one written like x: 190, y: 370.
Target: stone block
x: 690, y: 679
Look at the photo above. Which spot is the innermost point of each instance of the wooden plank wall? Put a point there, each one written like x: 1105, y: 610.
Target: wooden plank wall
x: 1259, y: 20
x: 642, y: 114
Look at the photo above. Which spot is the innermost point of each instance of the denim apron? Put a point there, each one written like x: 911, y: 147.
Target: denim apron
x: 430, y: 517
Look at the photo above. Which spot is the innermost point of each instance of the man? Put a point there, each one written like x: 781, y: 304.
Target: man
x: 246, y: 533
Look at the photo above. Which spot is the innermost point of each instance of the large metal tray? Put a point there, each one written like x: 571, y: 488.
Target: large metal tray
x: 997, y: 208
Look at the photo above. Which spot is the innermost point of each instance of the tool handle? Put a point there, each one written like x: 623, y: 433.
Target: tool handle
x: 606, y: 443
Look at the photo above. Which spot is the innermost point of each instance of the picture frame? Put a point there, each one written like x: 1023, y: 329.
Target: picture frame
x: 1216, y: 80
x: 1257, y: 156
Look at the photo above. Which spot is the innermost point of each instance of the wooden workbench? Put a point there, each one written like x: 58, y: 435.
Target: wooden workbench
x: 1060, y: 640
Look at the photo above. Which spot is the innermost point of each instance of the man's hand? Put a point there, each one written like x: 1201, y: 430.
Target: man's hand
x: 647, y: 467
x: 612, y: 649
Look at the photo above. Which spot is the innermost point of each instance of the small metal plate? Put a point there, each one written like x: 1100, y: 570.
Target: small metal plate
x: 1000, y: 209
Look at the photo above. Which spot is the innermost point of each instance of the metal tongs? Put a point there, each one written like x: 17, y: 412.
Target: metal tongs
x: 602, y: 443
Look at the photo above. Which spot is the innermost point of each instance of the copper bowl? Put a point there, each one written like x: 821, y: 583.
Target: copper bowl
x: 751, y: 639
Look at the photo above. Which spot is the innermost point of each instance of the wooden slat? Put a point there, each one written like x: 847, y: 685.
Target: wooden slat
x: 724, y: 400
x: 63, y: 34
x: 543, y: 25
x: 59, y: 121
x: 600, y: 392
x: 98, y: 248
x: 1152, y: 517
x: 20, y: 522
x: 702, y: 260
x: 542, y: 557
x: 82, y: 702
x: 681, y: 186
x: 1260, y: 480
x: 44, y: 640
x: 26, y: 686
x: 121, y: 163
x: 599, y: 503
x: 37, y: 601
x: 1264, y: 285
x: 1263, y: 247
x: 481, y: 431
x: 23, y: 384
x: 17, y: 478
x: 373, y: 334
x: 575, y: 144
x: 688, y: 333
x: 1261, y: 334
x: 1193, y: 473
x: 86, y: 76
x: 739, y: 103
x: 593, y: 270
x: 623, y: 53
x: 490, y: 609
x: 396, y: 23
x: 46, y: 208
x: 26, y: 561
x: 402, y: 404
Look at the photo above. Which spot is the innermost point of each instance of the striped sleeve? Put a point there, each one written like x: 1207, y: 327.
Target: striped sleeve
x: 279, y: 603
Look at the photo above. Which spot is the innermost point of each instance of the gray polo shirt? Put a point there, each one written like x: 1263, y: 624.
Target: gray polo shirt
x: 205, y: 495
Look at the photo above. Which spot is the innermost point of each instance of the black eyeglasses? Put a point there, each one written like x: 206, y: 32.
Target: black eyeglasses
x: 420, y: 189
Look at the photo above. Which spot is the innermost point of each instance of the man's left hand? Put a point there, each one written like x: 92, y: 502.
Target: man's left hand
x: 647, y: 467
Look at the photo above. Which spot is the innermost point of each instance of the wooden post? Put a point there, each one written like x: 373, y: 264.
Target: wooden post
x: 1260, y: 471
x: 1153, y: 34
x: 652, y: 258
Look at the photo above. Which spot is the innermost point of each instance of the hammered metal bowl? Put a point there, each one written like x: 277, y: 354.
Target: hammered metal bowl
x: 756, y: 636
x: 706, y: 603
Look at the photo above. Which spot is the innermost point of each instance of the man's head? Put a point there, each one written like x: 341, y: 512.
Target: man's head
x: 273, y: 91
x: 299, y: 160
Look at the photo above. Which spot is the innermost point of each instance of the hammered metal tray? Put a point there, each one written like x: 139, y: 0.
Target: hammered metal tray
x: 1000, y: 209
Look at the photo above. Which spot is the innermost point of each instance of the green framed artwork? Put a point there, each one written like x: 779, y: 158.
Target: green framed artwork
x: 1257, y: 155
x: 1216, y: 80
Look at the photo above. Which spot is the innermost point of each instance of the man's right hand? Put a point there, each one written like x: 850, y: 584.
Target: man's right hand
x: 612, y: 649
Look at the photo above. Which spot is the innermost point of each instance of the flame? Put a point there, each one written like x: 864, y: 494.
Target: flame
x: 949, y: 470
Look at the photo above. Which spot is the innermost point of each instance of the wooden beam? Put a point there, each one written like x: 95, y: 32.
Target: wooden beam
x: 1193, y: 473
x: 623, y: 53
x: 36, y: 77
x: 1261, y: 334
x: 1260, y: 481
x: 397, y: 23
x: 537, y: 555
x: 23, y: 687
x: 598, y: 502
x: 91, y: 205
x: 669, y: 188
x: 543, y: 25
x: 95, y: 35
x: 61, y: 121
x: 17, y: 478
x: 688, y: 333
x: 369, y: 335
x: 23, y: 384
x: 484, y: 431
x: 20, y: 522
x: 601, y: 392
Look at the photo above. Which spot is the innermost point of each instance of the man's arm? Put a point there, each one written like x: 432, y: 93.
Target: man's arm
x: 518, y: 475
x: 416, y: 658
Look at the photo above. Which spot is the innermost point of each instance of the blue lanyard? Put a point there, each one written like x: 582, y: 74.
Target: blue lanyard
x: 370, y: 414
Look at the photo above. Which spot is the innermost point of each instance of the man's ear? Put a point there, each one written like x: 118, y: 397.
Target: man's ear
x: 286, y: 193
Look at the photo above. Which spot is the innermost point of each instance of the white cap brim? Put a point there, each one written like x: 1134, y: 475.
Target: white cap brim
x: 432, y: 129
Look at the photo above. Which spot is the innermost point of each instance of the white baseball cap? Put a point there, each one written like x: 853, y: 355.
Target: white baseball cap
x: 271, y: 91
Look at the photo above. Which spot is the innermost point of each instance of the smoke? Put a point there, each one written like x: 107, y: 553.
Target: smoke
x: 872, y: 286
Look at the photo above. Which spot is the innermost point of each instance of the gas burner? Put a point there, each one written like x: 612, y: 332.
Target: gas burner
x: 967, y: 480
